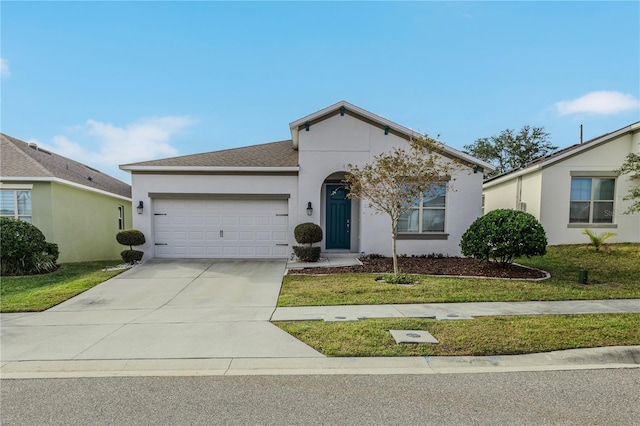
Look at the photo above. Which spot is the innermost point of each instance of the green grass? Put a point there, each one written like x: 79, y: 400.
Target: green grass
x: 36, y: 293
x: 615, y: 273
x: 482, y: 336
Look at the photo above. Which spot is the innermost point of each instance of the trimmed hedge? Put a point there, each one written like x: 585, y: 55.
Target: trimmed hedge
x: 131, y: 237
x: 308, y: 233
x: 132, y: 256
x: 307, y: 254
x: 502, y: 235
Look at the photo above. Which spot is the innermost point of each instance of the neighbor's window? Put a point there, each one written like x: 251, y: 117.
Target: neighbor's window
x: 592, y: 200
x: 120, y: 218
x: 16, y: 204
x: 428, y: 213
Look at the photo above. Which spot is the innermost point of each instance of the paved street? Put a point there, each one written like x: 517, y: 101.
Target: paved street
x: 586, y: 397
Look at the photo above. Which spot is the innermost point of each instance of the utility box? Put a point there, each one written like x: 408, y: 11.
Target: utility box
x: 583, y: 276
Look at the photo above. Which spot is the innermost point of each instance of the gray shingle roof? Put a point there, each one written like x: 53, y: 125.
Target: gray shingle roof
x: 20, y: 159
x: 274, y: 154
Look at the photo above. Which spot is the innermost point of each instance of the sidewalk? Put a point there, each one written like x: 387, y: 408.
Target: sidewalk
x: 454, y: 311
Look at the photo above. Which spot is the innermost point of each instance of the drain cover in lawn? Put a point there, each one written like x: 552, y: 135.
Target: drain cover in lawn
x: 413, y: 336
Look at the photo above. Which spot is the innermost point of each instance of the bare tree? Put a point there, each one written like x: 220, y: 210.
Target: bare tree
x: 394, y: 182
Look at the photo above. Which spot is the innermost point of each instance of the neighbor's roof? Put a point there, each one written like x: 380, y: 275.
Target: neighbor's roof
x: 563, y: 154
x: 20, y: 159
x: 274, y: 154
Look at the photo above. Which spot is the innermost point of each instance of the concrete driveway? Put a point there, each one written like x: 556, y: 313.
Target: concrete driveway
x: 162, y: 309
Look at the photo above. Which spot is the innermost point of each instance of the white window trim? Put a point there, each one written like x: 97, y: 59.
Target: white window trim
x: 421, y: 209
x: 15, y: 191
x: 592, y: 202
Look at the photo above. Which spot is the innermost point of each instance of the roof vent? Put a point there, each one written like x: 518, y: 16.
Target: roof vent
x: 90, y: 178
x: 33, y: 145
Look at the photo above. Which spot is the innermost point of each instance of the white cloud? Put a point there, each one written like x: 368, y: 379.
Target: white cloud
x: 599, y: 102
x: 142, y: 140
x: 4, y: 68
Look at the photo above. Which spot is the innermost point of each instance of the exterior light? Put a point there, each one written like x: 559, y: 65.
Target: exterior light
x: 342, y: 111
x: 386, y: 130
x: 306, y: 126
x: 475, y: 169
x: 140, y: 207
x: 309, y: 209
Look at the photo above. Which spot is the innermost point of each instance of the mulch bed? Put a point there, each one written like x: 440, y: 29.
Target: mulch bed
x: 457, y: 266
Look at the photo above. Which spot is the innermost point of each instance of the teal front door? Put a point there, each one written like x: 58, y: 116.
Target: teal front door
x: 338, y: 218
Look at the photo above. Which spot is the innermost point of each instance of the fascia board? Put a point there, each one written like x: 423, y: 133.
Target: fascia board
x: 207, y: 169
x: 513, y: 175
x: 62, y: 182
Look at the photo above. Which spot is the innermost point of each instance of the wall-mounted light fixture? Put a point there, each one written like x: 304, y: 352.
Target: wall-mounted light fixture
x: 306, y: 126
x: 342, y: 111
x: 475, y: 169
x: 386, y: 130
x: 309, y: 209
x: 140, y: 207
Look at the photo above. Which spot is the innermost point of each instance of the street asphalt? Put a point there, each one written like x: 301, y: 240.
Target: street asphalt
x: 212, y: 317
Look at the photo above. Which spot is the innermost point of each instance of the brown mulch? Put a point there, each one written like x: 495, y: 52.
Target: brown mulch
x: 457, y: 266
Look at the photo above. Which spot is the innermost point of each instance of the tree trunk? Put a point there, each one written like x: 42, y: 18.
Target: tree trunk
x: 394, y: 254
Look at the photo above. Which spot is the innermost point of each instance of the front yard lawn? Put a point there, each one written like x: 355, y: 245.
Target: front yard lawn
x: 36, y: 293
x: 613, y: 274
x: 481, y: 336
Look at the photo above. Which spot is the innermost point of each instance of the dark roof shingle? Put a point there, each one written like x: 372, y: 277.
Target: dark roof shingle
x: 274, y: 154
x: 21, y: 159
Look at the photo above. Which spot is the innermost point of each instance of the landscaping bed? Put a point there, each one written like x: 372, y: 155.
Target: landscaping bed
x: 452, y: 266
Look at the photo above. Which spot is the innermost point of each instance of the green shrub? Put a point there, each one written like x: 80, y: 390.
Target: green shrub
x: 131, y: 237
x: 502, y: 235
x: 132, y: 256
x: 24, y: 250
x: 307, y: 254
x: 308, y: 233
x: 52, y: 250
x: 401, y: 278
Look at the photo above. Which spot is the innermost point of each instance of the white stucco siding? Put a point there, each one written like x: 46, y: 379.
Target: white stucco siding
x: 556, y: 189
x: 144, y: 184
x: 500, y: 196
x: 330, y: 145
x: 530, y: 193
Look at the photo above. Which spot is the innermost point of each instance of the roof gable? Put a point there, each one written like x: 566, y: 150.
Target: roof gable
x: 23, y: 160
x: 345, y: 108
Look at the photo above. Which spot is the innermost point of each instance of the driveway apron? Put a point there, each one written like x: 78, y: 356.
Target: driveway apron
x: 162, y: 309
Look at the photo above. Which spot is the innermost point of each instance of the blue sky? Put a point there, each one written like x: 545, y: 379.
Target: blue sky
x: 108, y: 83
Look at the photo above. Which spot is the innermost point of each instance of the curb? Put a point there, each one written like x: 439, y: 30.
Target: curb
x: 614, y: 357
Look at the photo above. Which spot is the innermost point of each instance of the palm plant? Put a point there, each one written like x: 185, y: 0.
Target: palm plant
x: 598, y: 239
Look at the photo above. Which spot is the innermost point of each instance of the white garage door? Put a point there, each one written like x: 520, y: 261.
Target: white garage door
x: 187, y: 228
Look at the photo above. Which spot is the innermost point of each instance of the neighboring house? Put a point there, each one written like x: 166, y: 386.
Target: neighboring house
x: 246, y: 202
x: 75, y: 206
x: 574, y: 189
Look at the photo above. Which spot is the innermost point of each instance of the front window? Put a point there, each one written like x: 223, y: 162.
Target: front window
x: 428, y: 212
x: 16, y: 204
x: 592, y: 200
